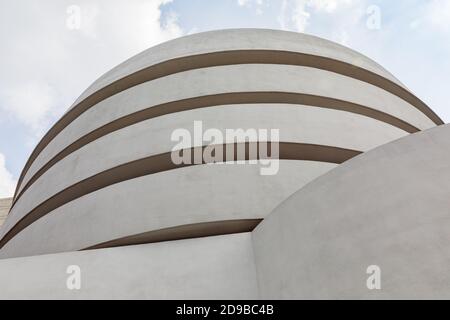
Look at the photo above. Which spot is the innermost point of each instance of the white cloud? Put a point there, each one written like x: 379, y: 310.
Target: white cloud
x: 258, y: 4
x: 47, y: 61
x: 7, y: 183
x: 328, y: 5
x: 296, y: 14
x: 435, y: 14
x: 300, y: 15
x: 243, y: 3
x: 30, y: 103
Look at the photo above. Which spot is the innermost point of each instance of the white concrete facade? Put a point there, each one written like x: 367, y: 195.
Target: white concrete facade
x: 388, y: 207
x: 101, y: 179
x: 214, y: 268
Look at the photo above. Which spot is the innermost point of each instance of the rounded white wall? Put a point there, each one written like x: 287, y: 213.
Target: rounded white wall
x: 387, y: 208
x: 317, y: 93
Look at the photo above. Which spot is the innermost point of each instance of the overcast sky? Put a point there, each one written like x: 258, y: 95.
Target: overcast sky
x: 51, y: 50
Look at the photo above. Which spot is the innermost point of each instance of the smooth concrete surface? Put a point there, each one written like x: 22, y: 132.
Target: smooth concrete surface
x: 290, y: 50
x: 178, y: 197
x: 219, y: 267
x: 5, y: 205
x: 388, y: 207
x: 324, y: 224
x: 237, y: 39
x: 318, y: 126
x: 230, y: 79
x: 297, y: 124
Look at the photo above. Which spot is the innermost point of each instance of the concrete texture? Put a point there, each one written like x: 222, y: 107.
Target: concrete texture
x: 215, y: 268
x: 299, y: 124
x: 388, y: 207
x: 237, y: 39
x: 229, y: 79
x: 360, y: 129
x: 167, y: 199
x: 242, y: 48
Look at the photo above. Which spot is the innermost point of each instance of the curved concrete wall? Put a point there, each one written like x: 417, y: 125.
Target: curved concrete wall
x: 232, y: 40
x: 329, y: 103
x: 299, y: 124
x: 174, y: 198
x: 216, y: 267
x: 231, y: 79
x: 353, y: 189
x: 388, y: 207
